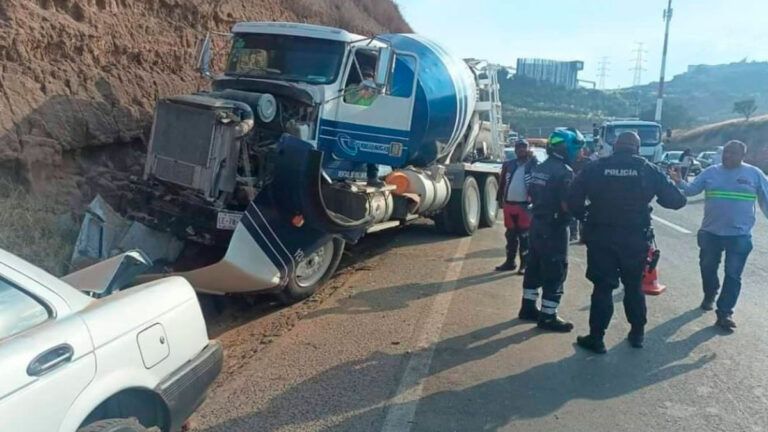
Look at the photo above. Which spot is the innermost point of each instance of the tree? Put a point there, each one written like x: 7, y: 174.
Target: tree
x: 745, y: 107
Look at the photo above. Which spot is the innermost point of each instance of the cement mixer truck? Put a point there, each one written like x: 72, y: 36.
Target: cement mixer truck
x: 264, y: 174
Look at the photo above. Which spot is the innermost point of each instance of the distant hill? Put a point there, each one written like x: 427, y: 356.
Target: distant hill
x: 708, y: 137
x: 705, y: 94
x: 708, y: 92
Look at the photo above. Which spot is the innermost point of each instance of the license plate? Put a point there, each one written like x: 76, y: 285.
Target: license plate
x: 228, y: 220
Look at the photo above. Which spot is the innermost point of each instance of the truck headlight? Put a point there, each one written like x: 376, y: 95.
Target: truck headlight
x: 266, y: 108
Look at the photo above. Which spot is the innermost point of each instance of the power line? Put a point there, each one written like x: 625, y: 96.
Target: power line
x: 639, y: 66
x: 602, y: 72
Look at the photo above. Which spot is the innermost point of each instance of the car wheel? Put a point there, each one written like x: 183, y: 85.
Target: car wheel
x: 114, y: 425
x: 312, y: 272
x: 490, y: 207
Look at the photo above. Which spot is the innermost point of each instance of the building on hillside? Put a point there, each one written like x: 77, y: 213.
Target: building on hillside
x: 559, y: 73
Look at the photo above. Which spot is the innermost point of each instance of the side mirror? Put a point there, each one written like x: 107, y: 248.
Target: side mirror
x: 384, y: 66
x: 204, y: 58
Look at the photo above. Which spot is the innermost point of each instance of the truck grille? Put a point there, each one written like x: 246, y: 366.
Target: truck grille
x: 181, y: 141
x: 175, y: 171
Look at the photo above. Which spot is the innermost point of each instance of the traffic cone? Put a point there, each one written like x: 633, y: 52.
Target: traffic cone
x: 651, y: 285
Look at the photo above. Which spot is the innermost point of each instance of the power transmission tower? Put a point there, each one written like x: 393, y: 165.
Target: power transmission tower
x: 602, y: 72
x: 639, y: 66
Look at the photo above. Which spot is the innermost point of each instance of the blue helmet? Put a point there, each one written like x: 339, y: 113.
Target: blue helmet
x: 565, y: 143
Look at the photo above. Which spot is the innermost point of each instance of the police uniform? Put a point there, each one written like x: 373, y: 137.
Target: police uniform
x: 548, y: 236
x: 619, y: 189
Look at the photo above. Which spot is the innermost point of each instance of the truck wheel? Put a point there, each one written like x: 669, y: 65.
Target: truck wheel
x: 114, y: 425
x: 464, y: 208
x: 490, y: 206
x: 312, y: 272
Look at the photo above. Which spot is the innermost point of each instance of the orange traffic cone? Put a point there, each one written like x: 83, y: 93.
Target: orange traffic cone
x: 651, y: 285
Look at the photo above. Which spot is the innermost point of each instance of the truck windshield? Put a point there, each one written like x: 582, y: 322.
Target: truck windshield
x: 649, y: 135
x: 284, y: 57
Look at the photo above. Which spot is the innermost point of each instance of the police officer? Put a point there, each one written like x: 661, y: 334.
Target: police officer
x: 619, y: 189
x: 548, y: 255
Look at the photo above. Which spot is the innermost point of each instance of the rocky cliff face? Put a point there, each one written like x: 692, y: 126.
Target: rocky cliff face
x: 78, y: 75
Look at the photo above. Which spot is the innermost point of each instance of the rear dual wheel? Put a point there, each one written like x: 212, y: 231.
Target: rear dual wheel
x: 471, y: 207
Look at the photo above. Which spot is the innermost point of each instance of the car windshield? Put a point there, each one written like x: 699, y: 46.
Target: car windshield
x: 540, y: 153
x: 290, y: 58
x: 649, y: 135
x: 673, y: 155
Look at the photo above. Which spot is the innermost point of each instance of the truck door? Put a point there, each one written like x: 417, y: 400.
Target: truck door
x: 374, y: 129
x: 46, y: 356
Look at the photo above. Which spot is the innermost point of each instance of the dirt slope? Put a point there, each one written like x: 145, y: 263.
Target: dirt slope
x: 83, y: 73
x: 753, y: 132
x: 79, y: 79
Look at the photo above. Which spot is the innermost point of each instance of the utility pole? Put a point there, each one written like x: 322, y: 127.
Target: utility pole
x: 602, y: 72
x: 660, y: 98
x: 639, y: 66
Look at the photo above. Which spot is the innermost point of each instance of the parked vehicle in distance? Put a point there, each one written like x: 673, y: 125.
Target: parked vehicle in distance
x: 705, y: 158
x: 540, y: 153
x: 82, y: 353
x: 672, y: 159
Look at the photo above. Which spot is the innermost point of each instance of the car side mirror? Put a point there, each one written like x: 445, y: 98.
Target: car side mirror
x: 384, y: 66
x: 204, y: 57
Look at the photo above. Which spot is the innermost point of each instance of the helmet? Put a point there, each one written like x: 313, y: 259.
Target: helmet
x: 521, y: 142
x: 565, y: 143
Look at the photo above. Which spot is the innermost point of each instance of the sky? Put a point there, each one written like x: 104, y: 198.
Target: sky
x: 701, y: 32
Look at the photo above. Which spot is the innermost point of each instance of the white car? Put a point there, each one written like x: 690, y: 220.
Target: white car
x: 81, y: 354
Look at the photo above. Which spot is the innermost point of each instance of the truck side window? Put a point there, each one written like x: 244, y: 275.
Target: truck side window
x: 362, y: 69
x: 401, y: 84
x: 18, y: 311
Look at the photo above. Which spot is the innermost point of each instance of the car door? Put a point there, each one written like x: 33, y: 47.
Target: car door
x: 46, y: 355
x: 376, y: 131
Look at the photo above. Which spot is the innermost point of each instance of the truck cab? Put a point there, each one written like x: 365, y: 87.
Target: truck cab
x: 261, y: 171
x: 651, y: 138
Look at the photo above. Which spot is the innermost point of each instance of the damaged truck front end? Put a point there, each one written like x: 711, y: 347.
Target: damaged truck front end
x: 228, y: 176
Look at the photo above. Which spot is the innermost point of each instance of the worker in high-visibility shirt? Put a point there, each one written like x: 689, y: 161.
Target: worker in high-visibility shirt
x: 364, y: 94
x: 731, y: 189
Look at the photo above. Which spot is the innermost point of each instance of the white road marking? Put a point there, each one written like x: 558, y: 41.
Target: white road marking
x: 671, y: 225
x: 402, y: 408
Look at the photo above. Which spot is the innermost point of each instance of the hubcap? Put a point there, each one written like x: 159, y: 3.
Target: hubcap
x: 472, y: 206
x: 312, y: 268
x: 492, y: 206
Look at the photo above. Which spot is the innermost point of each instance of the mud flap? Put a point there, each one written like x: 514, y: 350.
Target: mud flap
x: 290, y: 218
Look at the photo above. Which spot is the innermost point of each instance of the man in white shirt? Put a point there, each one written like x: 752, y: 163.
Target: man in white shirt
x: 513, y: 199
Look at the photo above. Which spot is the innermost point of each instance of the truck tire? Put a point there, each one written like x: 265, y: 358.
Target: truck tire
x: 464, y: 208
x: 114, y: 425
x: 312, y: 272
x: 490, y: 207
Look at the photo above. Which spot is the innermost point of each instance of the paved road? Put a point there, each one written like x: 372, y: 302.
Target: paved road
x: 424, y: 339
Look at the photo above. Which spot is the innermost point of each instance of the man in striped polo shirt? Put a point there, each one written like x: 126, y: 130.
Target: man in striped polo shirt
x: 731, y: 189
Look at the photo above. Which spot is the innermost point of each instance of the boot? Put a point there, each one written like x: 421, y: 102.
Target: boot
x: 521, y: 270
x: 375, y: 182
x: 636, y: 337
x: 508, y: 265
x: 726, y: 323
x: 554, y: 323
x: 529, y: 311
x: 592, y: 343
